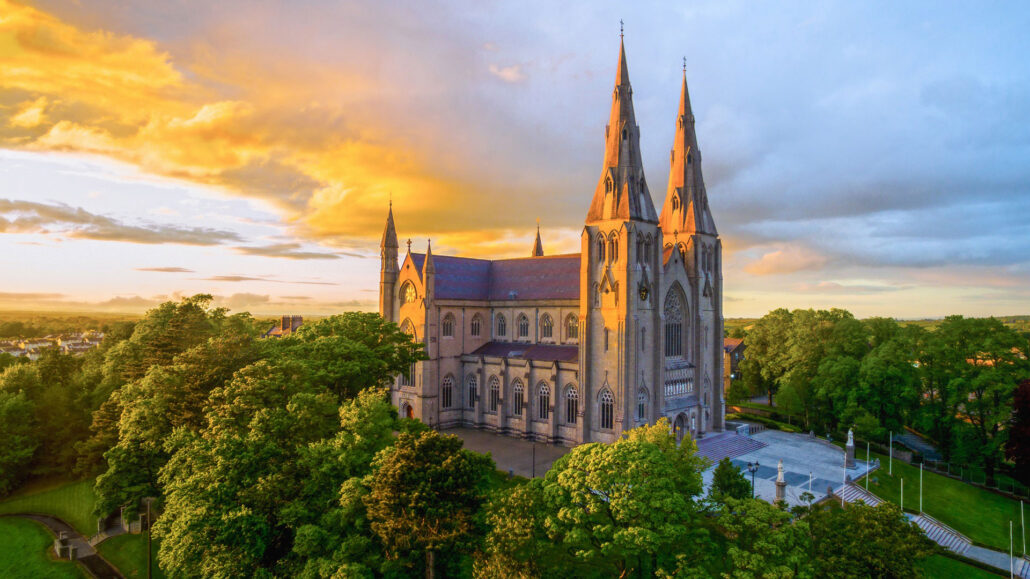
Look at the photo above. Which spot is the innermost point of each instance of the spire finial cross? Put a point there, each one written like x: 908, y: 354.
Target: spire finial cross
x: 684, y: 65
x: 391, y: 199
x: 409, y: 245
x: 621, y: 28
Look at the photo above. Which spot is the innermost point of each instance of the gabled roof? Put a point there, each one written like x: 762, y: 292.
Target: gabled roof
x: 567, y: 353
x: 526, y: 278
x: 730, y: 344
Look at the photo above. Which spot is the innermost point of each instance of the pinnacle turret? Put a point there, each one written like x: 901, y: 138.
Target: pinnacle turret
x: 538, y: 246
x: 686, y: 203
x: 622, y: 189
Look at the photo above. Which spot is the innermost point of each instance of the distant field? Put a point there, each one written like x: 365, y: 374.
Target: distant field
x: 72, y: 502
x: 24, y: 551
x: 1020, y: 323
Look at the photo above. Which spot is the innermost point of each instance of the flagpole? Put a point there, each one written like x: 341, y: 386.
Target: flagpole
x: 890, y: 465
x: 920, y: 487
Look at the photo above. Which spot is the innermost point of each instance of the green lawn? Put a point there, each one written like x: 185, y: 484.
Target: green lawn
x: 72, y: 502
x: 129, y: 554
x: 25, y: 549
x: 941, y: 567
x: 981, y: 515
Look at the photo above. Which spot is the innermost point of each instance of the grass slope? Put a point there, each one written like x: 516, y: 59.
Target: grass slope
x: 24, y: 551
x: 981, y: 515
x: 129, y: 554
x: 72, y: 502
x: 941, y: 567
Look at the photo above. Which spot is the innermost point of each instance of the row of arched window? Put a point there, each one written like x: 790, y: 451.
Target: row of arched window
x: 606, y: 401
x: 447, y: 326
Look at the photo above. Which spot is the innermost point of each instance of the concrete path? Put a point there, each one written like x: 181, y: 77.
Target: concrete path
x: 514, y: 454
x: 95, y: 565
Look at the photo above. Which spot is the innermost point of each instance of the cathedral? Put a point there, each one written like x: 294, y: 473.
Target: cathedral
x: 576, y: 348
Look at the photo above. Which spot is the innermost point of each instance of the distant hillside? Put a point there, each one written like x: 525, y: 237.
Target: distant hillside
x: 1020, y: 323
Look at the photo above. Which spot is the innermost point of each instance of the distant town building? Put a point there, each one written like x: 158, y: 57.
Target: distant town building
x: 733, y: 349
x: 287, y: 325
x: 576, y: 348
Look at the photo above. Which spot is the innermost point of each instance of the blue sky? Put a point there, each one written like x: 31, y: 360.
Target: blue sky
x: 872, y: 156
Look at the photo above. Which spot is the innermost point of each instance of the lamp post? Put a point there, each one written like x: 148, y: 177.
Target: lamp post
x: 149, y: 501
x: 752, y: 468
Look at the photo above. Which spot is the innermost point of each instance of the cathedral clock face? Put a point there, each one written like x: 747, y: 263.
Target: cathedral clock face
x: 644, y: 292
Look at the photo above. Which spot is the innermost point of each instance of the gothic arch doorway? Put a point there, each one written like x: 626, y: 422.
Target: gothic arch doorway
x: 407, y: 411
x: 678, y: 427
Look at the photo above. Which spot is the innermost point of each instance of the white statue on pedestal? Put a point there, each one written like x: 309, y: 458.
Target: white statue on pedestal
x: 851, y: 438
x: 779, y: 473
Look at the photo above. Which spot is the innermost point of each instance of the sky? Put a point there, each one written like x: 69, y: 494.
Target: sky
x: 873, y: 156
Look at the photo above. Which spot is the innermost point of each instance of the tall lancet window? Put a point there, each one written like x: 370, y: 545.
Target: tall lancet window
x: 674, y: 321
x: 607, y: 410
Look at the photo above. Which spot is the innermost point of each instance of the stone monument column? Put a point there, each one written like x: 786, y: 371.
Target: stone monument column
x: 781, y: 485
x: 849, y: 449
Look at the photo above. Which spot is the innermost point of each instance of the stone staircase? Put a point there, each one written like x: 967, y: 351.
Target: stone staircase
x: 727, y: 445
x: 853, y: 493
x: 942, y: 534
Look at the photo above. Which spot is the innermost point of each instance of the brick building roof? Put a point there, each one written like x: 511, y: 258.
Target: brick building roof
x: 730, y: 344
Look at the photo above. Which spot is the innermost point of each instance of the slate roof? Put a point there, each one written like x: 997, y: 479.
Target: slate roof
x: 529, y: 278
x: 568, y: 353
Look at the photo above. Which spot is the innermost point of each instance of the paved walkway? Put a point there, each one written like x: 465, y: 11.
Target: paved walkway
x: 511, y: 454
x: 809, y: 465
x: 919, y: 445
x: 96, y: 565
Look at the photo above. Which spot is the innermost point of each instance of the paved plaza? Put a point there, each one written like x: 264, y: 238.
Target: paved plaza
x: 808, y: 463
x: 514, y: 454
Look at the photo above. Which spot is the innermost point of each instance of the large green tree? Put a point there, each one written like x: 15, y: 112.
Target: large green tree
x: 864, y: 541
x: 764, y: 541
x: 728, y: 482
x: 422, y: 497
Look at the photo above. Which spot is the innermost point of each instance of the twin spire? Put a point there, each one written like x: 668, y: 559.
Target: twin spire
x: 622, y: 192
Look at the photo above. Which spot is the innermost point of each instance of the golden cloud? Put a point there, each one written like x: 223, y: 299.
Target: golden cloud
x: 786, y: 259
x: 251, y: 127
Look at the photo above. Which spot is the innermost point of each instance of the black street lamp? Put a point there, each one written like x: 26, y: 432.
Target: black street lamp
x: 752, y: 468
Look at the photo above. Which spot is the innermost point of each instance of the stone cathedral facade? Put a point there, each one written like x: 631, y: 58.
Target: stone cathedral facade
x: 576, y: 348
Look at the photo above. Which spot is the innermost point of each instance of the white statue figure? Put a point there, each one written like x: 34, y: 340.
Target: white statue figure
x: 851, y: 438
x: 779, y: 471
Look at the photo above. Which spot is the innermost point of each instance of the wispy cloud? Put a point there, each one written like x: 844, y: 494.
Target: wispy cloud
x: 245, y: 278
x: 286, y: 251
x: 786, y: 259
x: 512, y: 74
x: 165, y: 269
x: 30, y: 217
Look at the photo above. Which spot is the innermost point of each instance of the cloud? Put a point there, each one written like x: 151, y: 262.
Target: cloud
x: 786, y: 259
x: 241, y: 300
x: 287, y: 251
x: 297, y: 298
x: 30, y: 113
x: 243, y: 278
x: 512, y: 74
x: 30, y: 217
x: 130, y: 302
x: 29, y: 296
x: 165, y: 269
x: 839, y: 288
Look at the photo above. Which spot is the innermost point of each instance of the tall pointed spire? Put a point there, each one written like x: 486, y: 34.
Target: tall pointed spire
x: 686, y: 203
x: 389, y: 232
x: 538, y: 246
x: 622, y: 189
x: 428, y: 266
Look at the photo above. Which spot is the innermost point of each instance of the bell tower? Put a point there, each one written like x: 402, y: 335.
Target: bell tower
x: 388, y: 271
x: 621, y: 243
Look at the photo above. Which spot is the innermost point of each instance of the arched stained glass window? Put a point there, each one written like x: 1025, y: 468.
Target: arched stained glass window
x: 607, y: 410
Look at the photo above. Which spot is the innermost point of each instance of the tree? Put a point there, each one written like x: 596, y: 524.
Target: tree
x: 728, y: 482
x: 517, y: 544
x: 764, y: 541
x: 864, y: 541
x: 630, y: 506
x: 423, y: 494
x: 1017, y: 449
x: 234, y: 490
x: 18, y: 440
